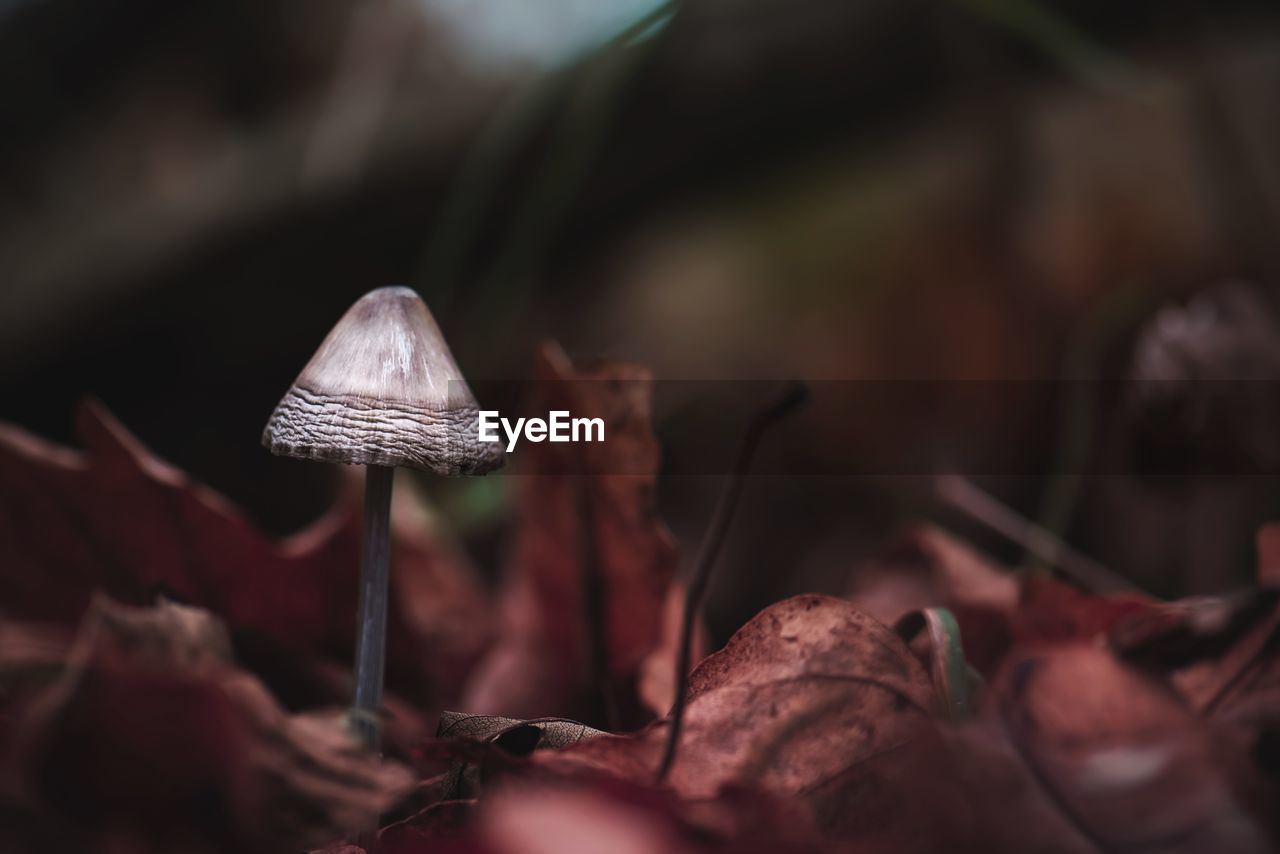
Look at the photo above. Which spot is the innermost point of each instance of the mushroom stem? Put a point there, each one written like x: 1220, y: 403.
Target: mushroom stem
x: 371, y: 621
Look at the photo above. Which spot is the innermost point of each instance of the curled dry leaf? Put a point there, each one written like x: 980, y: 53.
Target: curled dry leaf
x: 968, y: 789
x: 803, y: 696
x: 592, y: 562
x: 1074, y: 752
x: 115, y: 518
x: 551, y: 732
x: 513, y: 737
x: 150, y: 723
x: 1222, y: 655
x: 1130, y: 766
x: 1210, y: 648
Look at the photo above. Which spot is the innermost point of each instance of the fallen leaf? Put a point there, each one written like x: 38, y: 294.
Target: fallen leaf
x: 1222, y: 655
x: 1130, y: 766
x: 956, y: 787
x: 440, y: 826
x: 114, y: 518
x: 598, y: 813
x: 1051, y: 611
x: 551, y: 732
x: 1204, y: 646
x: 151, y: 725
x: 513, y: 737
x: 591, y: 563
x: 805, y: 693
x: 559, y: 819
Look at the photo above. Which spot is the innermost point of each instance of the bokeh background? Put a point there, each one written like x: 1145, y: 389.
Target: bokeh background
x: 1075, y: 203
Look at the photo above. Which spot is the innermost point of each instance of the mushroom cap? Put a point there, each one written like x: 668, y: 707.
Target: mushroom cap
x: 383, y: 389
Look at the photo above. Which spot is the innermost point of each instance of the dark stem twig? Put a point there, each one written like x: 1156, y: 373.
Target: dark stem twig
x: 792, y: 398
x: 967, y: 497
x: 371, y: 624
x: 595, y: 604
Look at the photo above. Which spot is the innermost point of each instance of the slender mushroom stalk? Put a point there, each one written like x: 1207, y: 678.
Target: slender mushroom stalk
x: 382, y: 391
x: 371, y: 622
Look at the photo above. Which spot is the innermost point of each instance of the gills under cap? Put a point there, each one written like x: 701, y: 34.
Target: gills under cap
x: 383, y: 389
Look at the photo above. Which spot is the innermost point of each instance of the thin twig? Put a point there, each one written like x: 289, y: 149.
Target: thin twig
x: 967, y: 497
x: 595, y: 604
x: 792, y: 398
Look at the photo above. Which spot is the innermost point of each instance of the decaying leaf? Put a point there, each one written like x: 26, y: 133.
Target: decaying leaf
x: 1074, y: 752
x: 551, y: 732
x: 803, y: 694
x: 114, y: 518
x: 514, y: 738
x: 1221, y: 654
x: 1115, y: 723
x: 1127, y: 763
x: 555, y: 817
x: 441, y: 825
x: 592, y: 561
x: 1051, y: 611
x: 598, y: 813
x: 150, y: 722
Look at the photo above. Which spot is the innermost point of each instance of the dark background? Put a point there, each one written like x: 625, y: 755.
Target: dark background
x: 995, y: 190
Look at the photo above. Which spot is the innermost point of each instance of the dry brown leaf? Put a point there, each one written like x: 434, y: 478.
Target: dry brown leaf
x: 1127, y: 764
x: 592, y: 562
x: 514, y: 738
x: 552, y: 732
x: 117, y: 519
x: 151, y: 723
x: 805, y: 693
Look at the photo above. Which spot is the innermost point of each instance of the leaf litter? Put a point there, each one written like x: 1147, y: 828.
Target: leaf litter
x: 945, y: 702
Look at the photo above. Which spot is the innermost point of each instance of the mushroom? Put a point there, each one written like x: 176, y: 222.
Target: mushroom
x: 382, y: 391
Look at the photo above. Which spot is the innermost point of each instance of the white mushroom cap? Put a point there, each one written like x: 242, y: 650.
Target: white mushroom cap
x: 383, y: 389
